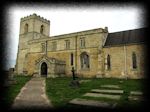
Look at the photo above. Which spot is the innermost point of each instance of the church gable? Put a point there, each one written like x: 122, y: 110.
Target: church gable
x: 46, y: 59
x: 54, y: 67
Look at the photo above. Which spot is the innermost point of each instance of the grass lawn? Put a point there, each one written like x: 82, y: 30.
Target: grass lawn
x: 13, y: 90
x: 60, y: 93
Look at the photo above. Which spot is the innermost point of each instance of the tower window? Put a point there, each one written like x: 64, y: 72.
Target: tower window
x: 134, y: 60
x: 42, y: 29
x: 26, y: 28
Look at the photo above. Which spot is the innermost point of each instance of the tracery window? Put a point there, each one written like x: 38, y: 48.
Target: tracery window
x: 84, y: 57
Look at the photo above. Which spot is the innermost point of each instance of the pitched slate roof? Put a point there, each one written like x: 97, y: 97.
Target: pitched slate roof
x: 126, y: 37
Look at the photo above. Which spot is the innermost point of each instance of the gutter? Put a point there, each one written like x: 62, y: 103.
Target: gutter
x: 76, y: 55
x: 46, y: 48
x: 125, y: 61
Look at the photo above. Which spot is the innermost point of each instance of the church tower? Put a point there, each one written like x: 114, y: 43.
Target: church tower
x: 31, y: 27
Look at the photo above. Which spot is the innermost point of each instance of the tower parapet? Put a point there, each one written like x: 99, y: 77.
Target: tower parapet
x: 35, y: 16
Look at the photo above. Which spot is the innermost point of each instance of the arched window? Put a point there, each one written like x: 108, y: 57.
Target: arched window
x: 84, y: 57
x: 134, y: 61
x: 42, y: 29
x: 108, y: 62
x: 26, y: 28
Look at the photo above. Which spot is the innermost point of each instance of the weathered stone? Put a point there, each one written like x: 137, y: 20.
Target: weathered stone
x: 8, y: 83
x: 120, y: 81
x: 82, y: 81
x: 9, y: 79
x: 92, y: 103
x: 74, y: 83
x: 116, y: 97
x: 107, y: 91
x: 111, y: 86
x: 136, y: 98
x: 136, y: 93
x: 11, y: 74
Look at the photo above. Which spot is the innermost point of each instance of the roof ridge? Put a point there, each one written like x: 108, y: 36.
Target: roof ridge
x: 128, y: 30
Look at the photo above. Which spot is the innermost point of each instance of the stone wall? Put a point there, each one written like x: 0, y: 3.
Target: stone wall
x: 31, y: 60
x: 33, y: 45
x: 93, y: 41
x: 121, y: 61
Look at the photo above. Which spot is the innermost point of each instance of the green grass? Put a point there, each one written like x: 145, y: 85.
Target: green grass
x: 60, y: 93
x: 13, y: 90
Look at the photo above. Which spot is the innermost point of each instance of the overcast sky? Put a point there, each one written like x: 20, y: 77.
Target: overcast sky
x: 68, y: 19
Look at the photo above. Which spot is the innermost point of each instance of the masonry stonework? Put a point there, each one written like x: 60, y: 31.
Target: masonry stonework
x: 37, y: 47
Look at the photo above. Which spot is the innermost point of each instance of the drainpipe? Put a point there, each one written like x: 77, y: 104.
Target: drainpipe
x: 46, y: 48
x: 125, y: 61
x: 76, y: 55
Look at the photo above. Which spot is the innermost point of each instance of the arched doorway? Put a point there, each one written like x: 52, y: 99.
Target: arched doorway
x: 43, y: 69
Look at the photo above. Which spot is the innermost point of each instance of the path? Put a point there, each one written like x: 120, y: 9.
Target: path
x: 32, y: 95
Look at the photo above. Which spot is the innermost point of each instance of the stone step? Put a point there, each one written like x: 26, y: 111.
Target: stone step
x: 115, y: 97
x: 94, y: 103
x: 111, y: 86
x: 107, y: 91
x: 136, y: 93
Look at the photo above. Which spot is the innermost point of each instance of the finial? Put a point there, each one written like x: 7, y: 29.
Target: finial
x: 106, y: 29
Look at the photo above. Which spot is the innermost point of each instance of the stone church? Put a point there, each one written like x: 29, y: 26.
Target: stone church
x: 93, y: 53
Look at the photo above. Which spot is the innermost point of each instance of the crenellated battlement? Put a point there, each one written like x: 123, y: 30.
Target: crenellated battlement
x: 35, y: 16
